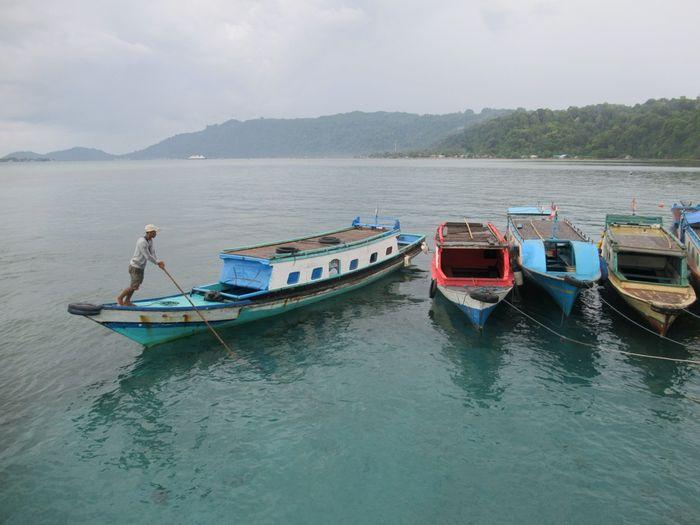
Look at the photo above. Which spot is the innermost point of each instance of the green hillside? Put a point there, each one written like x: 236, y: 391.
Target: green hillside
x: 657, y: 129
x: 345, y: 134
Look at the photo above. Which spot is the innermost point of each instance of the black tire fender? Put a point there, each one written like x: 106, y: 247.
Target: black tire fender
x: 433, y: 288
x: 84, y: 309
x: 329, y: 240
x: 577, y: 283
x: 484, y: 297
x: 286, y: 250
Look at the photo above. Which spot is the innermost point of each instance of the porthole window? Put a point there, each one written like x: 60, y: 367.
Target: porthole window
x: 353, y: 264
x: 389, y: 250
x: 293, y: 278
x: 334, y: 267
x: 373, y: 258
x: 316, y: 273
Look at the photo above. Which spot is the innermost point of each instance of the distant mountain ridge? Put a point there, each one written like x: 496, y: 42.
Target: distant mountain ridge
x: 344, y: 134
x: 656, y: 129
x: 72, y: 154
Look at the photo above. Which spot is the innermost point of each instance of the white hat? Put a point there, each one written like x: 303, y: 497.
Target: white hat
x: 151, y: 228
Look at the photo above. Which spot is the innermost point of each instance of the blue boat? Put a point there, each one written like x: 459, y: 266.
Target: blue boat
x: 265, y: 280
x: 688, y: 233
x: 552, y: 253
x: 677, y: 211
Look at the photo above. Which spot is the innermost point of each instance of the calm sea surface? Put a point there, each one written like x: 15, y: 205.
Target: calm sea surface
x: 380, y: 406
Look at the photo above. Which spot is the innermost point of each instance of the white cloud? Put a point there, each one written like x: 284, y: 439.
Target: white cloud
x: 123, y: 75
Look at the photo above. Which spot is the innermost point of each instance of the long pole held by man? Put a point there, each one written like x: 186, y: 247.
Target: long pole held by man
x: 143, y: 253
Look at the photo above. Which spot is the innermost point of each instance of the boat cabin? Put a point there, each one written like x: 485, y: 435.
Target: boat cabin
x: 472, y: 251
x: 253, y: 270
x: 559, y: 238
x: 643, y: 251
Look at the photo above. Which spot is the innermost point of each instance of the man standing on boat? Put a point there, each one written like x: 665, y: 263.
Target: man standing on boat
x: 144, y: 252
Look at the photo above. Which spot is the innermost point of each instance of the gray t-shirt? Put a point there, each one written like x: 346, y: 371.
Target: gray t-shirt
x: 144, y: 252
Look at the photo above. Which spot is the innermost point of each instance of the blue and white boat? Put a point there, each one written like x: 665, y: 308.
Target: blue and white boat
x: 265, y: 280
x: 553, y: 253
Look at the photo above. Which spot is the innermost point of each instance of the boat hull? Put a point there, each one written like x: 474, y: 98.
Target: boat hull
x: 563, y: 293
x: 476, y: 311
x: 153, y: 326
x: 659, y: 316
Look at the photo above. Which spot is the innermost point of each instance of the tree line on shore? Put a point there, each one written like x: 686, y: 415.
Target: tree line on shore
x: 656, y: 129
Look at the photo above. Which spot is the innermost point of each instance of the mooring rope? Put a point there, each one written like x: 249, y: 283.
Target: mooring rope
x: 691, y: 313
x: 644, y: 327
x: 591, y: 345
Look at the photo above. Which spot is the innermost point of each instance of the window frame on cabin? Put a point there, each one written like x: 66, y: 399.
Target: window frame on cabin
x: 293, y: 277
x: 373, y: 258
x: 389, y: 250
x: 318, y: 275
x: 354, y: 264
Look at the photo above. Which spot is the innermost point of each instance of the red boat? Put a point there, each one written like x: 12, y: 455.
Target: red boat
x: 471, y: 268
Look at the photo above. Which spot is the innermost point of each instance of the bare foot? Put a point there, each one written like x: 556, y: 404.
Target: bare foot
x: 129, y: 304
x: 119, y: 301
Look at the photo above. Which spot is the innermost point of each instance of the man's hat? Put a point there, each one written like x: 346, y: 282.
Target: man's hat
x: 151, y: 228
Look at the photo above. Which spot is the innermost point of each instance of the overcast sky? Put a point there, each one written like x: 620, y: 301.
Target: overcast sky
x: 122, y: 75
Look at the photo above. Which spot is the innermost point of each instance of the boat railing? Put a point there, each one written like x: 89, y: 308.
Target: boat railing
x: 633, y: 220
x: 578, y: 230
x: 377, y: 222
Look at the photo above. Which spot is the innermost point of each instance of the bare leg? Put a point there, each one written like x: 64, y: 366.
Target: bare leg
x: 124, y: 298
x: 127, y: 297
x: 120, y: 297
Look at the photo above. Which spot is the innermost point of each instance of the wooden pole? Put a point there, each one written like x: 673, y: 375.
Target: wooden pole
x: 199, y: 313
x: 469, y: 228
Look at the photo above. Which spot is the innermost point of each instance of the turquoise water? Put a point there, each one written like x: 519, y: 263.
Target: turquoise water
x: 380, y: 406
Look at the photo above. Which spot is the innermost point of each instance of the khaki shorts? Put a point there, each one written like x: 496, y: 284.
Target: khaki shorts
x: 136, y: 276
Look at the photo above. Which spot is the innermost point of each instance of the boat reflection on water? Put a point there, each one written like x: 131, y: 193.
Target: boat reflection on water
x: 478, y: 356
x: 147, y: 400
x: 660, y: 377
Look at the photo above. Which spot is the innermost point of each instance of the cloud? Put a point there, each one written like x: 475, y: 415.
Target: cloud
x: 120, y: 76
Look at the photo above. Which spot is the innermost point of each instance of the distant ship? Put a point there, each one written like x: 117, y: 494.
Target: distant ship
x: 196, y: 157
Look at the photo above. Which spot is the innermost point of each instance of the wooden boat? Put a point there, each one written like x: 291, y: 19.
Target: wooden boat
x: 553, y: 253
x: 471, y: 268
x: 267, y: 279
x: 689, y: 235
x: 647, y: 267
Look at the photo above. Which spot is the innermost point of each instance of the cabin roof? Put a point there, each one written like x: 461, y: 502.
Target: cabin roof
x: 527, y: 210
x: 692, y: 218
x: 311, y: 243
x: 457, y: 233
x: 644, y: 238
x: 542, y: 228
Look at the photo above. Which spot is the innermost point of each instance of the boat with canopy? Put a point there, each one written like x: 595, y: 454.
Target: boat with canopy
x: 647, y: 267
x: 265, y: 280
x: 471, y: 268
x: 553, y: 253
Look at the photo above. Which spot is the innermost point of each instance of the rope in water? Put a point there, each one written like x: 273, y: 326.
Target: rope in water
x: 644, y: 327
x: 691, y: 313
x: 591, y: 345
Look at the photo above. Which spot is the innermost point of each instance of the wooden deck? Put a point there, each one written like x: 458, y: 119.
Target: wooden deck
x: 541, y: 228
x: 477, y: 233
x: 308, y: 243
x: 644, y: 238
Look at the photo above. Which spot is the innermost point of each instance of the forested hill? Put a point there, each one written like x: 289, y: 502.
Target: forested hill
x: 345, y: 134
x: 657, y: 129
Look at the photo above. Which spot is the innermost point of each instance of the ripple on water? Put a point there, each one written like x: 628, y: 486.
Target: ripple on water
x: 379, y: 406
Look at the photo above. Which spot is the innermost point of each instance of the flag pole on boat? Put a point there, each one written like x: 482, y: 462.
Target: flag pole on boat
x: 199, y: 313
